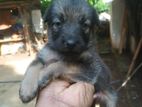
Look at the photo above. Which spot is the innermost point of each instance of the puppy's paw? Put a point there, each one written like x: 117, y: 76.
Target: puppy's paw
x: 26, y: 96
x: 28, y: 92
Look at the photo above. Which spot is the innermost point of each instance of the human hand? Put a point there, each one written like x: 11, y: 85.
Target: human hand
x: 62, y: 94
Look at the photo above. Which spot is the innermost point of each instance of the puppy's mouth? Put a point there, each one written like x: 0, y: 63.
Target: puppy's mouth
x: 72, y: 51
x: 68, y: 51
x: 70, y: 55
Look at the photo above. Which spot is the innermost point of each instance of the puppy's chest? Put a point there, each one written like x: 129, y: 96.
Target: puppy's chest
x: 72, y: 72
x: 63, y: 68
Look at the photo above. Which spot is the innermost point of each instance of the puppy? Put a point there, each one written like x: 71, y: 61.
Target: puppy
x: 70, y: 53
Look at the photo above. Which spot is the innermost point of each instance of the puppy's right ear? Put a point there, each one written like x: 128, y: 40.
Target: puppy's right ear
x: 46, y: 16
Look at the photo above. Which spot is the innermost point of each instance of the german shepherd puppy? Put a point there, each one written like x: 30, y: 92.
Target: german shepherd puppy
x: 70, y: 52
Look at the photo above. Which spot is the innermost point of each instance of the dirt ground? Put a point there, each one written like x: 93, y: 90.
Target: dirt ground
x: 131, y: 94
x: 12, y: 69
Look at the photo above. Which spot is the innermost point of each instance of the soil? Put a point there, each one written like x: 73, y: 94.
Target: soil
x: 131, y: 94
x: 10, y: 78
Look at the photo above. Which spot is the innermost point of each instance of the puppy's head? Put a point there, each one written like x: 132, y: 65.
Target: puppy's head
x: 70, y: 25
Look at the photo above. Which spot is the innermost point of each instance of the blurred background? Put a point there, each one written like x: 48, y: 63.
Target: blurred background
x: 118, y: 41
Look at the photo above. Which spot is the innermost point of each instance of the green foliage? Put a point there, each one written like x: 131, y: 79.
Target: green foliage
x: 93, y: 2
x: 44, y: 5
x: 98, y: 4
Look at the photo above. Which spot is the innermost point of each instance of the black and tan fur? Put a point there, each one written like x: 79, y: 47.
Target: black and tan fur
x: 70, y: 52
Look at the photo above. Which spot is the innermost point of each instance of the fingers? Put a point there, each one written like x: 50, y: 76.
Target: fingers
x: 55, y: 87
x: 48, y: 96
x: 79, y: 94
x: 66, y: 95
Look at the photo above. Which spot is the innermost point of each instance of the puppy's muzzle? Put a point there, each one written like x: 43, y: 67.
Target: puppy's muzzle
x: 70, y: 44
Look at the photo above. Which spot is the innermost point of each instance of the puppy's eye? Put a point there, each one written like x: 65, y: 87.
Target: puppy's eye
x: 56, y: 23
x: 86, y: 26
x: 85, y: 23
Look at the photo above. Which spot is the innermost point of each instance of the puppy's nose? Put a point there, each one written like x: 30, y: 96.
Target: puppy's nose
x: 70, y: 44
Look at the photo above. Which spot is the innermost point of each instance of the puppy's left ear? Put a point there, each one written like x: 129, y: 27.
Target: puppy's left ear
x: 95, y: 17
x: 95, y: 21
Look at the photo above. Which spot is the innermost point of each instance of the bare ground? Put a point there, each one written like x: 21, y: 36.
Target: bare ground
x: 12, y: 69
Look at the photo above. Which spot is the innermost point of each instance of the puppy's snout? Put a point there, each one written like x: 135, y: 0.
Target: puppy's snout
x: 70, y: 44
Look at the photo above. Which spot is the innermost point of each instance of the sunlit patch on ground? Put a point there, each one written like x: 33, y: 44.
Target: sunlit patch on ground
x: 12, y: 68
x: 20, y: 66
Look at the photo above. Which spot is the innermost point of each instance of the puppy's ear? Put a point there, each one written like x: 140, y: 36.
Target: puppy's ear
x: 95, y: 18
x: 46, y: 15
x: 95, y: 21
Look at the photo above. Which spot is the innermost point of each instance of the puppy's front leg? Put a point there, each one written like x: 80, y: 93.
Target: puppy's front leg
x: 29, y: 86
x: 54, y: 69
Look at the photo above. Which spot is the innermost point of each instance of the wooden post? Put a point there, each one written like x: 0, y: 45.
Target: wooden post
x: 26, y: 30
x: 135, y: 57
x: 123, y: 32
x: 23, y: 22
